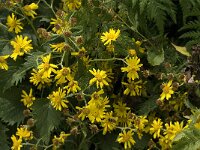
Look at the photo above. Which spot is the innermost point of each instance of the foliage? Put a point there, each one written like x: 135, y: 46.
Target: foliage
x: 93, y: 74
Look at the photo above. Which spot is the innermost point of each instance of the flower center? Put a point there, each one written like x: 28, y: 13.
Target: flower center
x: 99, y: 77
x: 166, y: 89
x: 46, y: 66
x: 126, y: 137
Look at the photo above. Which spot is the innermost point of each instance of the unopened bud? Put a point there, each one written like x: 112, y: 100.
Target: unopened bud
x: 31, y: 122
x: 26, y: 112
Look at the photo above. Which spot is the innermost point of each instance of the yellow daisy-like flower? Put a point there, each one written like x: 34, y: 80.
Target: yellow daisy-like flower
x: 120, y: 109
x: 14, y: 24
x: 24, y: 133
x: 109, y: 122
x: 72, y: 86
x: 63, y: 75
x: 110, y: 36
x: 100, y: 77
x: 133, y: 88
x: 97, y: 109
x: 58, y: 47
x: 72, y: 4
x: 27, y: 99
x: 132, y: 68
x: 38, y: 80
x: 29, y: 10
x: 17, y: 143
x: 46, y: 68
x: 167, y: 91
x: 3, y: 62
x: 156, y: 126
x: 126, y: 138
x: 21, y: 45
x: 58, y: 141
x: 60, y: 25
x: 58, y: 99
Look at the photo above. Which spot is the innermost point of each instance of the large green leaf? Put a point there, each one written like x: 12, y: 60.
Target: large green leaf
x: 16, y: 74
x: 11, y: 109
x: 47, y: 118
x: 3, y: 139
x: 155, y: 57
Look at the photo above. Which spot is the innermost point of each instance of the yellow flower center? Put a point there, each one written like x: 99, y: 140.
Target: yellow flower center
x: 166, y: 89
x: 46, y: 66
x: 111, y: 36
x: 65, y: 72
x: 126, y: 137
x: 99, y: 77
x: 57, y: 99
x: 28, y: 99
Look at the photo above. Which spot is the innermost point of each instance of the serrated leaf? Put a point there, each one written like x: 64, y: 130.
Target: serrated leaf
x: 47, y: 118
x: 181, y: 50
x: 148, y: 106
x: 16, y: 74
x: 3, y: 139
x: 155, y: 57
x: 11, y: 109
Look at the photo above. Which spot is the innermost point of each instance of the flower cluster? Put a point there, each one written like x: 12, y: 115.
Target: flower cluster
x: 88, y: 80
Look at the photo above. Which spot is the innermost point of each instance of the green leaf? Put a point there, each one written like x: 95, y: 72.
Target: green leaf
x: 11, y: 109
x: 3, y: 139
x: 148, y: 106
x: 155, y: 57
x: 47, y: 118
x: 17, y: 74
x: 182, y: 50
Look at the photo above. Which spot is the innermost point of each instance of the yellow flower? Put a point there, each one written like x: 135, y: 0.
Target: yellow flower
x: 72, y: 86
x: 46, y: 68
x: 60, y: 25
x: 38, y: 80
x: 120, y: 109
x: 138, y: 44
x: 133, y: 88
x: 110, y: 48
x: 132, y: 52
x: 29, y: 10
x: 126, y: 138
x: 27, y: 99
x: 24, y: 133
x: 97, y: 95
x: 21, y: 45
x: 72, y: 4
x: 63, y: 75
x: 58, y: 99
x: 100, y: 77
x: 169, y: 131
x: 167, y: 90
x: 14, y: 24
x: 156, y: 126
x: 58, y: 141
x: 132, y: 68
x: 165, y: 143
x: 97, y: 109
x: 110, y: 36
x: 17, y: 143
x: 140, y: 123
x: 3, y: 62
x: 58, y: 47
x: 109, y: 122
x: 81, y: 53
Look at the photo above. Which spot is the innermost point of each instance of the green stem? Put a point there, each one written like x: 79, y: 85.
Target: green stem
x: 50, y: 6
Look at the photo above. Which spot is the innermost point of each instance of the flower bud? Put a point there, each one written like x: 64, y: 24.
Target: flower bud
x: 26, y: 112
